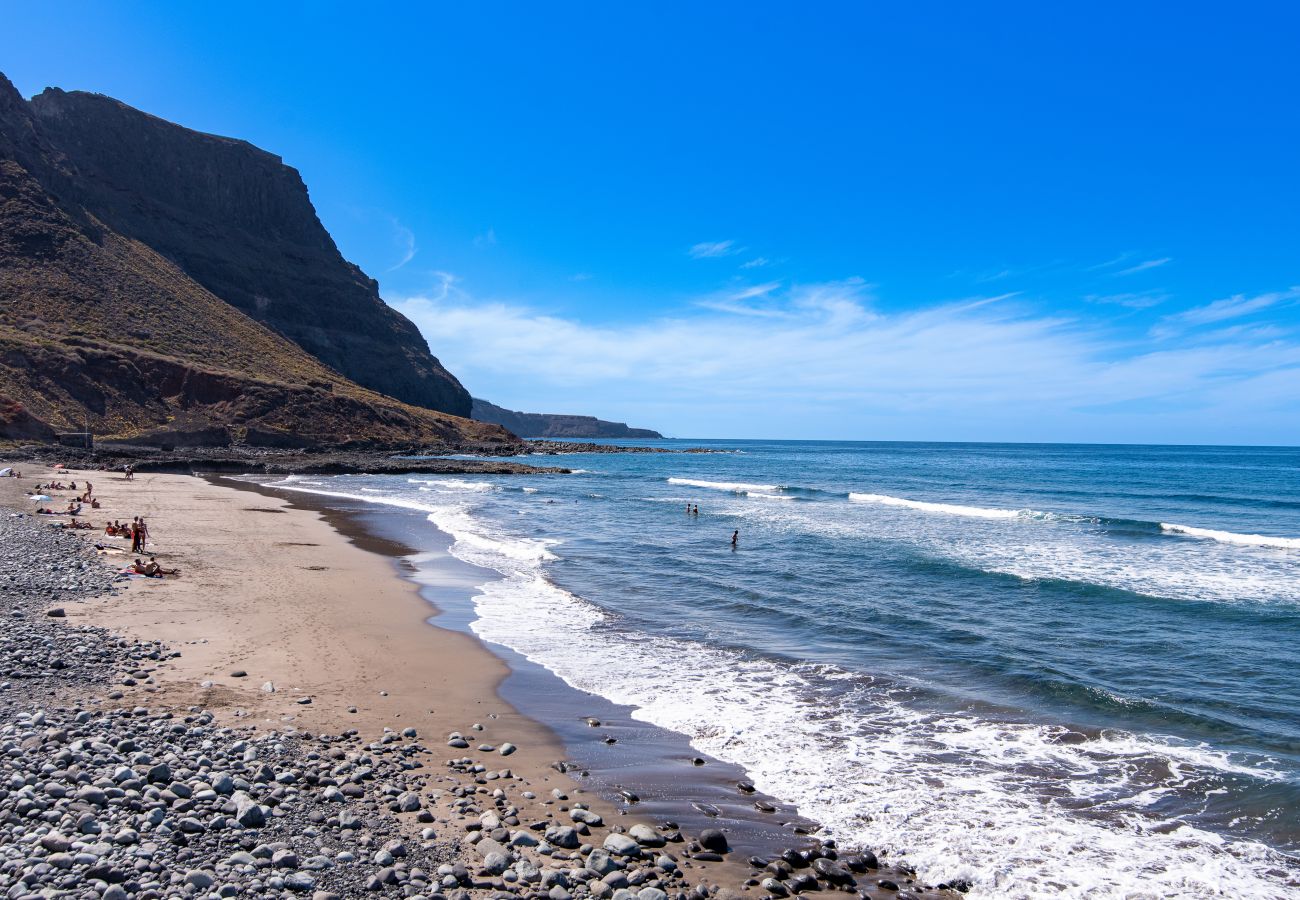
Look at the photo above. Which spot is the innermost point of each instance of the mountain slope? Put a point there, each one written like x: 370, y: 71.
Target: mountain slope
x: 239, y: 222
x: 556, y: 425
x: 98, y: 328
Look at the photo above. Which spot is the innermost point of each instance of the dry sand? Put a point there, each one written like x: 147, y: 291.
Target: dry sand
x: 276, y: 592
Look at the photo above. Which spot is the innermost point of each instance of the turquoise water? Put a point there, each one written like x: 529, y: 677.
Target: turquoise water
x: 1047, y: 669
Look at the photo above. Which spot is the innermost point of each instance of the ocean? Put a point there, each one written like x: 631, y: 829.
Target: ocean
x: 1044, y: 669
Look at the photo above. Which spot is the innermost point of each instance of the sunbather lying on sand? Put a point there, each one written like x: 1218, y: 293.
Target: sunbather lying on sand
x: 152, y: 569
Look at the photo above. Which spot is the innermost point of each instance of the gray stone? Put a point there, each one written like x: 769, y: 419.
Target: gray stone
x: 622, y: 845
x: 247, y: 811
x: 646, y: 836
x: 299, y: 881
x: 601, y: 862
x: 563, y: 836
x: 586, y: 817
x: 56, y: 843
x: 198, y: 879
x: 714, y: 840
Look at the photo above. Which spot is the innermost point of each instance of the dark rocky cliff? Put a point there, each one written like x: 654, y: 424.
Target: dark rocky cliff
x: 97, y: 328
x: 556, y: 425
x: 239, y: 222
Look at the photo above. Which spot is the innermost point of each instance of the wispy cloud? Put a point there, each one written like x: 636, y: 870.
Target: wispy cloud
x: 738, y: 301
x: 1233, y: 307
x: 581, y: 276
x: 405, y: 239
x: 1133, y: 300
x: 486, y: 239
x: 756, y: 263
x: 1145, y: 265
x: 713, y: 249
x: 1113, y: 261
x: 821, y: 359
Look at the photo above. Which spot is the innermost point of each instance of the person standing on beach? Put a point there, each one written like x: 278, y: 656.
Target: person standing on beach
x: 144, y: 534
x: 137, y: 536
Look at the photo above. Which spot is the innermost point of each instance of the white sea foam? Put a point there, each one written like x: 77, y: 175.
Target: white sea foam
x: 951, y: 509
x: 734, y: 487
x: 952, y: 792
x: 1230, y: 537
x: 453, y: 484
x: 450, y: 518
x: 1180, y: 570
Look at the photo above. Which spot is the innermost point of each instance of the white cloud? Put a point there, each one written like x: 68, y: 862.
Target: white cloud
x: 1231, y: 307
x: 1137, y: 300
x: 817, y: 360
x: 756, y: 263
x: 713, y: 249
x: 1145, y: 265
x: 486, y: 239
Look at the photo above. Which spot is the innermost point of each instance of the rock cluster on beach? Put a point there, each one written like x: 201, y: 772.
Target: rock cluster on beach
x: 106, y: 791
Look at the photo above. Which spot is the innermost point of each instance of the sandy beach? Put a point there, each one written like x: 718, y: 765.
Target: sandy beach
x: 286, y: 625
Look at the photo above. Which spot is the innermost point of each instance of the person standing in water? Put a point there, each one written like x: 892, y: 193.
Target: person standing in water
x: 735, y: 538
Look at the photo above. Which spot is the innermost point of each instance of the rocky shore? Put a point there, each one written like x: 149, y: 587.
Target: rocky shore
x: 110, y: 788
x: 546, y: 447
x: 249, y: 460
x: 264, y: 461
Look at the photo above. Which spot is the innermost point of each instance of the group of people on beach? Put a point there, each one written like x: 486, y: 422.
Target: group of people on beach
x: 75, y: 505
x: 137, y: 529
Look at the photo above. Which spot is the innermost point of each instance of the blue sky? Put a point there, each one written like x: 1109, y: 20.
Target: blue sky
x: 906, y: 221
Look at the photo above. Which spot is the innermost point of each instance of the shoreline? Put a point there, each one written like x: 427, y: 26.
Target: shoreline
x: 659, y: 767
x: 295, y: 624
